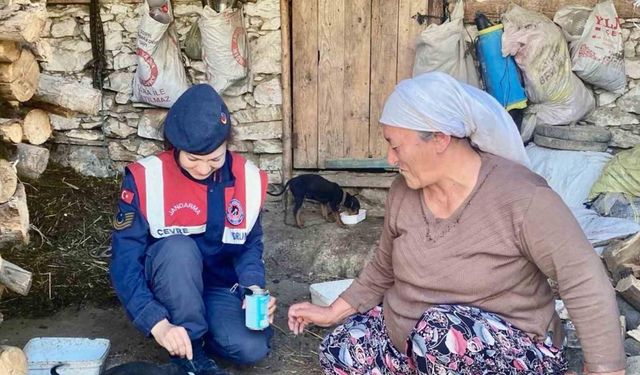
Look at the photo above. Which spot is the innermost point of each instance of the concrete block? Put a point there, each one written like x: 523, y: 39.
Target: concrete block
x: 324, y: 294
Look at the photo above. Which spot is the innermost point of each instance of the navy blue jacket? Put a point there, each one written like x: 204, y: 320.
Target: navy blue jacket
x: 224, y: 264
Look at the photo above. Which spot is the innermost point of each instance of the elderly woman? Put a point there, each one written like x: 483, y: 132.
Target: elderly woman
x: 458, y: 284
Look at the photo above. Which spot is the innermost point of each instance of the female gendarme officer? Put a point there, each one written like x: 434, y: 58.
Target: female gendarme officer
x: 187, y: 230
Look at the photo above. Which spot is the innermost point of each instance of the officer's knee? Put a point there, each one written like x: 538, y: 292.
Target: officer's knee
x: 251, y: 351
x: 178, y: 251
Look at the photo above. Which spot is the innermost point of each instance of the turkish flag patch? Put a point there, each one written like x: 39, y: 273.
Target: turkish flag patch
x: 127, y: 196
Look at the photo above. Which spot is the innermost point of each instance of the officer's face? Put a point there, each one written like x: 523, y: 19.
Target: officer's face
x: 202, y: 166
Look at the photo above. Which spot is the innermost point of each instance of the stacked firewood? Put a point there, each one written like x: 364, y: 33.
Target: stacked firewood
x: 23, y: 129
x: 20, y: 27
x: 622, y: 259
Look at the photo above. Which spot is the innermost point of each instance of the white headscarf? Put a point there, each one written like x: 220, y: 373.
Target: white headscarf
x: 436, y: 102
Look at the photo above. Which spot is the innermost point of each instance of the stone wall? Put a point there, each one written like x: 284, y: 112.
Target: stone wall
x: 101, y: 145
x: 123, y: 132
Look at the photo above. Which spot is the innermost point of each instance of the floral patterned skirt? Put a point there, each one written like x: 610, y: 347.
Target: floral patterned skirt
x: 448, y: 339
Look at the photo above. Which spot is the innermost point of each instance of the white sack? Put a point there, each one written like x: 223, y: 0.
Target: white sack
x: 597, y: 54
x: 443, y: 48
x: 160, y: 77
x: 224, y: 47
x: 540, y: 50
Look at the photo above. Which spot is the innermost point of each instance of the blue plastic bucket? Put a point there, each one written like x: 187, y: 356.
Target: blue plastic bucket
x: 500, y: 74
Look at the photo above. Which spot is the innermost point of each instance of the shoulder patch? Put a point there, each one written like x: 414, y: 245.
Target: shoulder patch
x: 126, y: 196
x: 123, y: 220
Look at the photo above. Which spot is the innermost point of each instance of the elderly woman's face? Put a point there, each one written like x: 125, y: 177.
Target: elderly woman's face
x: 202, y: 166
x: 411, y: 154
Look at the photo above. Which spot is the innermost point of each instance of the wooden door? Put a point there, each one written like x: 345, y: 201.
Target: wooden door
x: 347, y: 57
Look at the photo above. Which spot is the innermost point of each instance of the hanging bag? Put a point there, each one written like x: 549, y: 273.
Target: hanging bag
x: 160, y: 77
x: 443, y: 48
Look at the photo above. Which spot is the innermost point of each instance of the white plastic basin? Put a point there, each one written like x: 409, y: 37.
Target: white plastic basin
x: 79, y: 356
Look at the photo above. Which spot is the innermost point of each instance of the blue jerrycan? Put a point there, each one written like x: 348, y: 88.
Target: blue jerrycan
x: 500, y: 74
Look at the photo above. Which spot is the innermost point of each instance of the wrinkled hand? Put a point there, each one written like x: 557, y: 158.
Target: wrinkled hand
x: 173, y: 338
x: 305, y: 313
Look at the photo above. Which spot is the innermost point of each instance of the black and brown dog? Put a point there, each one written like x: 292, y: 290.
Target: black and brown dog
x: 329, y: 194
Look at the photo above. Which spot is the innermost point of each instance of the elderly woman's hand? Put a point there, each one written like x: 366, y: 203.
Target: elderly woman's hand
x: 305, y: 313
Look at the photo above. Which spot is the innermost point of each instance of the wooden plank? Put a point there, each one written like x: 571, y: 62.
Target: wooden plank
x: 351, y: 179
x: 304, y: 25
x: 408, y: 31
x: 287, y: 157
x: 629, y: 288
x: 494, y: 8
x: 357, y: 67
x: 621, y: 257
x: 384, y: 50
x: 359, y: 164
x: 331, y: 40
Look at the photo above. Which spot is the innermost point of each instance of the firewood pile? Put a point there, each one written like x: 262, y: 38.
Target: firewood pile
x: 24, y: 127
x: 622, y: 259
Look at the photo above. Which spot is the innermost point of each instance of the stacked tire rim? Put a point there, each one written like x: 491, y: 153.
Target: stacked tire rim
x: 573, y: 137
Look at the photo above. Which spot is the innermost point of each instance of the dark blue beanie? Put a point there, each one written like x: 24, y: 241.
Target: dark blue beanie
x: 198, y: 122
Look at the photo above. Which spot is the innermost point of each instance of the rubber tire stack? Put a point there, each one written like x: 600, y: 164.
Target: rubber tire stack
x: 572, y: 137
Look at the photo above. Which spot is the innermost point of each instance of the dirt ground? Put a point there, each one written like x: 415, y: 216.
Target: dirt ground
x: 71, y: 295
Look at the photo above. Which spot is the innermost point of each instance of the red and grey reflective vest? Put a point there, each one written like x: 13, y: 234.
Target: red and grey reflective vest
x: 172, y: 203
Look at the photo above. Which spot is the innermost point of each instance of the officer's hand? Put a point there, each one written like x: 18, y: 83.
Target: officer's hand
x: 173, y: 338
x: 271, y: 308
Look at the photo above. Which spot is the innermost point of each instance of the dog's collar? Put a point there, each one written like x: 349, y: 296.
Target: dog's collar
x: 344, y: 198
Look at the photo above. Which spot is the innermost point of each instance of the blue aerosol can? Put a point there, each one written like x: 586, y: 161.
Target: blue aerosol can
x: 256, y: 309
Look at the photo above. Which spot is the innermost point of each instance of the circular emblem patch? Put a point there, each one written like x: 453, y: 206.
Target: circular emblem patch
x: 235, y: 214
x: 223, y: 118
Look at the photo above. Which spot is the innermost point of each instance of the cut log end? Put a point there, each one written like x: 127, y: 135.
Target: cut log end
x: 11, y: 130
x: 19, y: 79
x: 13, y: 361
x: 9, y: 51
x: 8, y: 181
x: 36, y: 127
x: 32, y: 160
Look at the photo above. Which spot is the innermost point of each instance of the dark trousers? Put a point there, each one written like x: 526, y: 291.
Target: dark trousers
x: 173, y: 270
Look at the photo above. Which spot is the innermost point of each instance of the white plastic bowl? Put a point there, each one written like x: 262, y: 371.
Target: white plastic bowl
x: 80, y: 356
x: 353, y: 219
